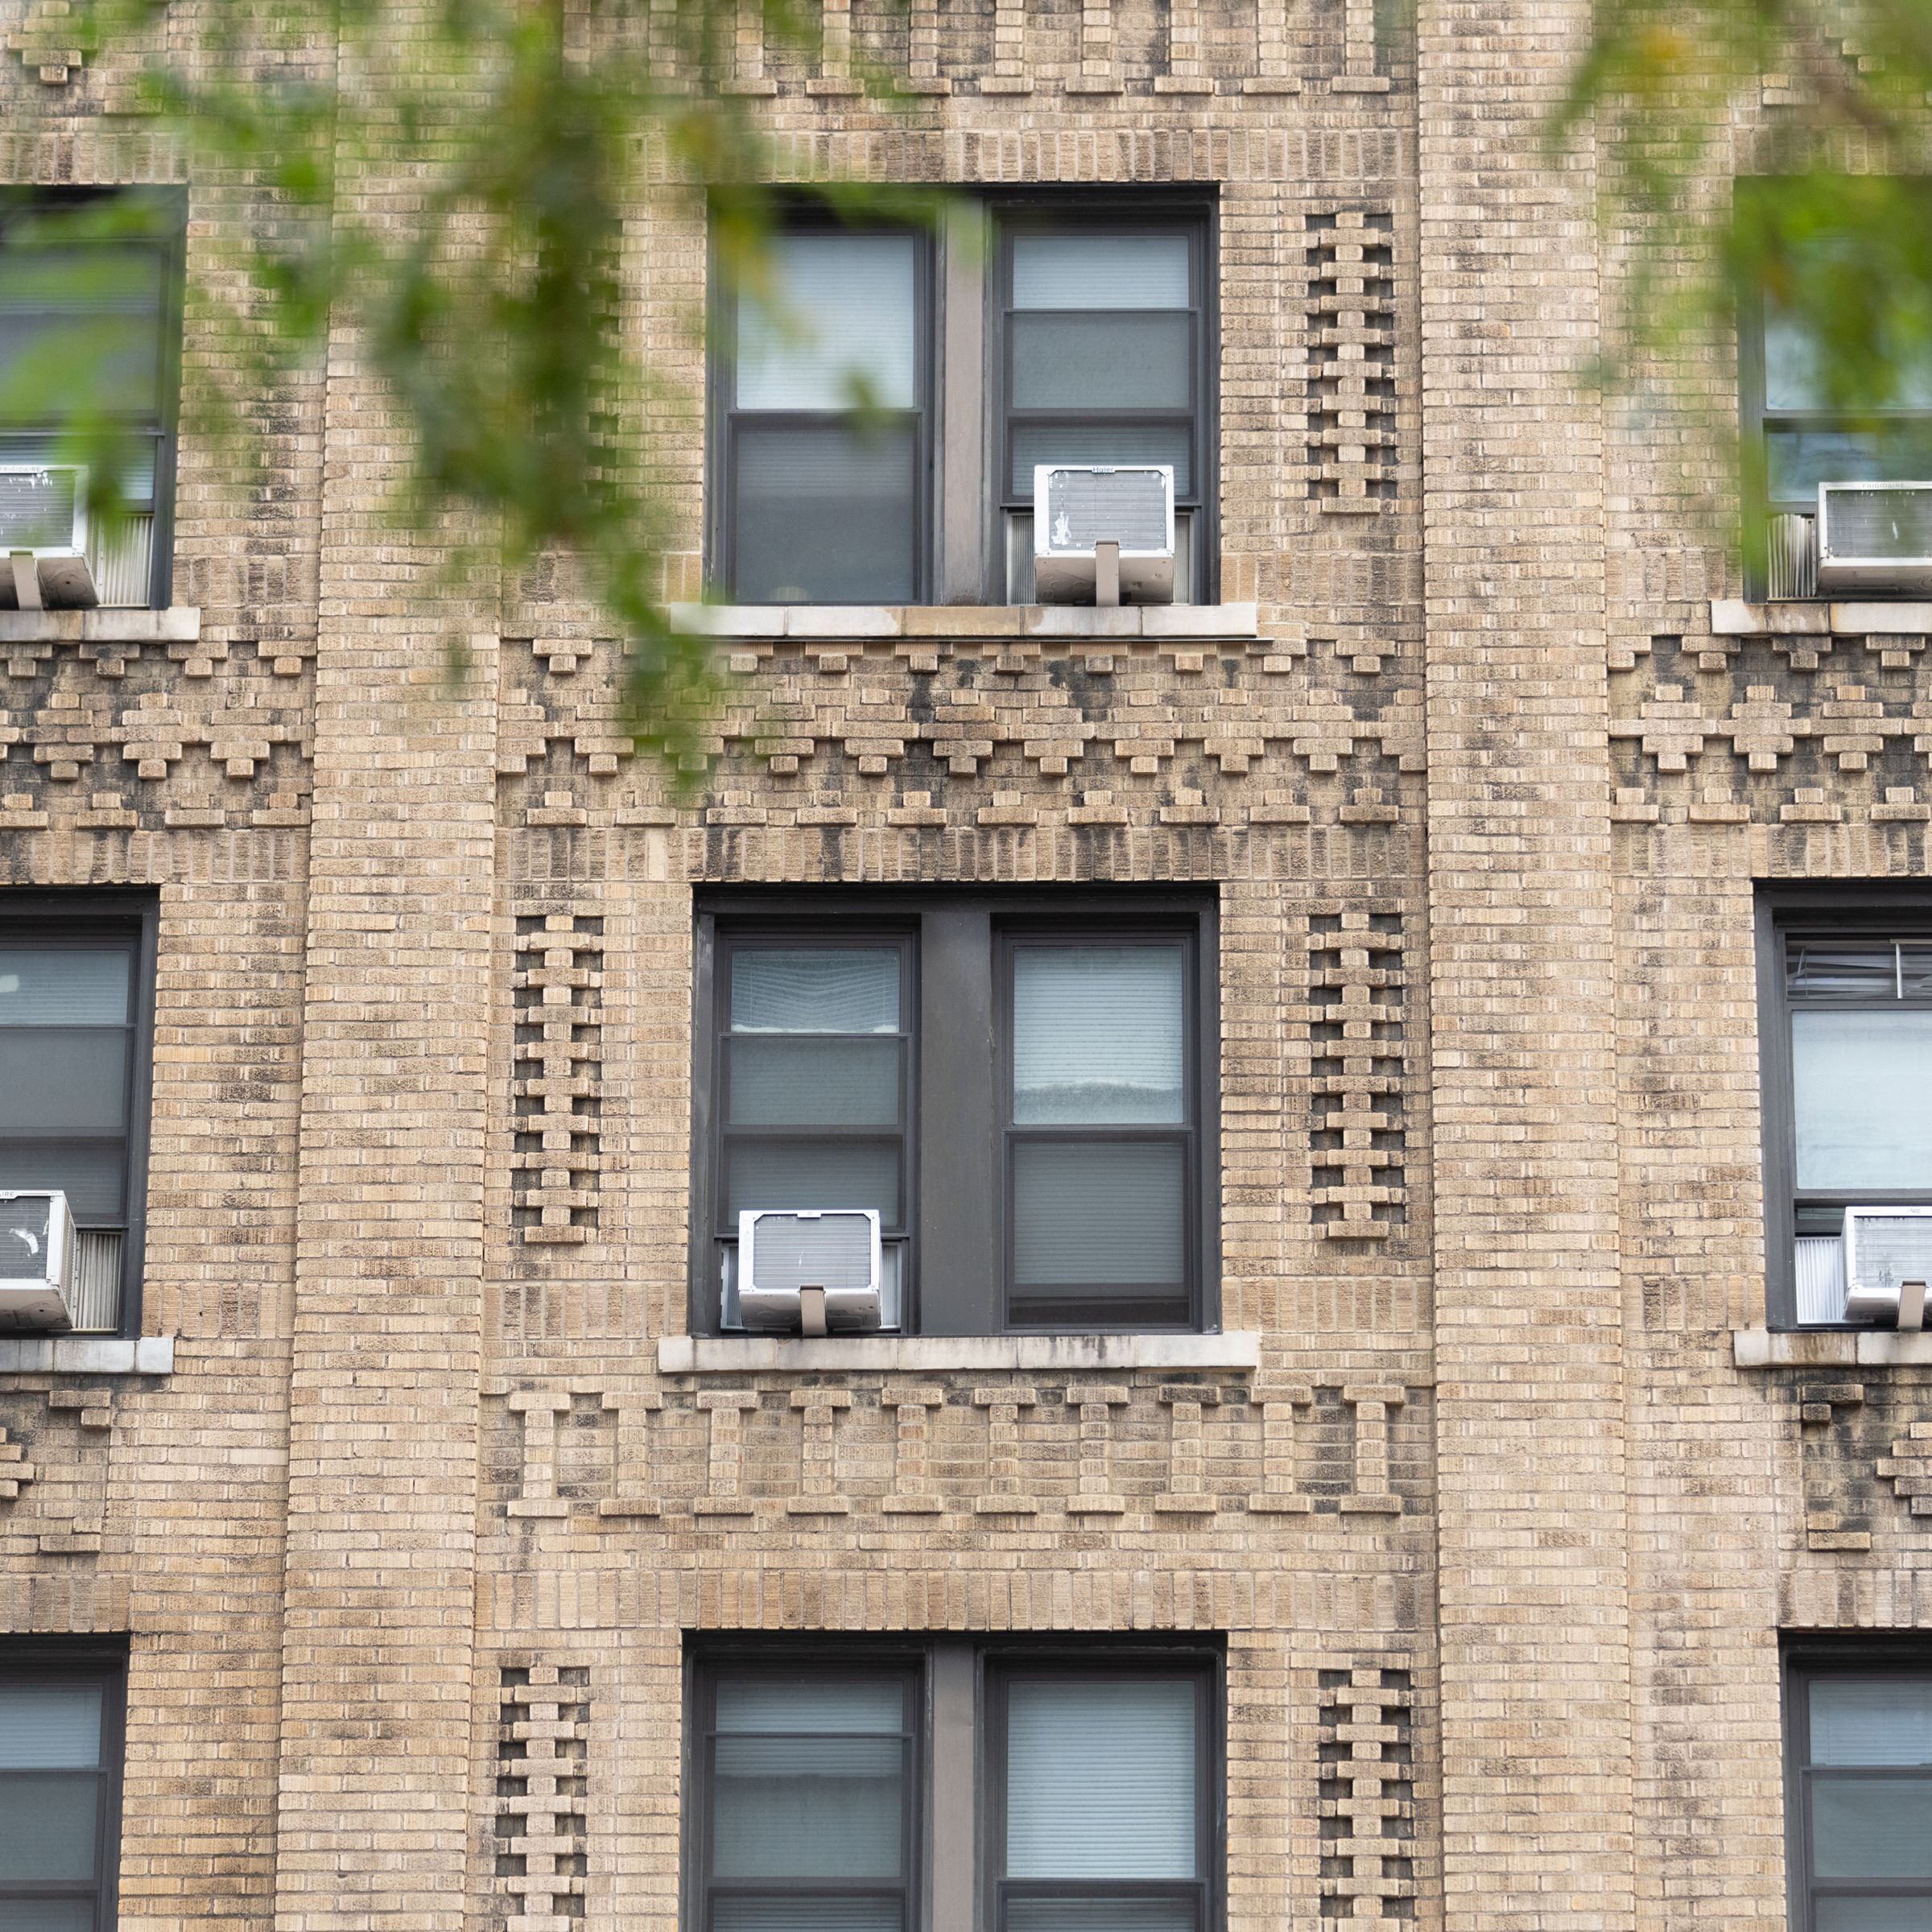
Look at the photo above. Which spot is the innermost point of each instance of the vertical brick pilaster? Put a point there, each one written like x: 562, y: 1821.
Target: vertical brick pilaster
x: 1534, y: 1582
x: 373, y: 1825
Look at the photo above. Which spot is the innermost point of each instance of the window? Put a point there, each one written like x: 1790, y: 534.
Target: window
x: 1023, y: 1097
x: 1072, y: 1789
x: 90, y: 351
x: 61, y: 1730
x: 1858, y: 1807
x: 823, y: 426
x: 76, y: 977
x: 1826, y: 243
x: 1103, y: 333
x: 853, y: 461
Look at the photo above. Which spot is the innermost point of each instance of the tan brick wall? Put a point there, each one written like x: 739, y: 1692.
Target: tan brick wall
x: 1494, y: 778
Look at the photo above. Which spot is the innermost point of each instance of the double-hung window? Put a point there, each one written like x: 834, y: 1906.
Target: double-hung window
x: 1024, y: 1101
x: 1103, y: 339
x: 1074, y: 1790
x: 76, y: 975
x: 821, y: 421
x: 60, y: 1731
x: 881, y: 399
x: 1859, y: 1746
x: 89, y: 372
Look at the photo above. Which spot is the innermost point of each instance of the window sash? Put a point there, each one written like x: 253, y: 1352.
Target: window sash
x: 729, y: 420
x: 105, y: 1774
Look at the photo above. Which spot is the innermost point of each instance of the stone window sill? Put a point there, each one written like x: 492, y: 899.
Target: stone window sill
x: 87, y: 1355
x: 854, y: 622
x: 1829, y: 1347
x: 943, y: 1354
x: 181, y: 626
x: 1733, y: 618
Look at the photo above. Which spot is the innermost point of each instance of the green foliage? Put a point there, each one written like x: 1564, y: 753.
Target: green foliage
x: 1768, y: 159
x: 524, y: 133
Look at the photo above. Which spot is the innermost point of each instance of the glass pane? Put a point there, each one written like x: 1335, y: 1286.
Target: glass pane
x: 65, y: 1080
x: 811, y: 1175
x: 1097, y: 1035
x: 1862, y: 1093
x: 1102, y: 362
x: 825, y: 512
x: 137, y: 448
x: 1841, y: 969
x: 1800, y: 459
x: 83, y: 321
x: 1872, y: 1720
x: 1035, y: 443
x: 1098, y: 1915
x: 1875, y: 1914
x: 64, y: 986
x: 50, y: 1727
x: 807, y: 1807
x: 842, y: 329
x: 805, y: 1915
x: 790, y: 1083
x: 1099, y: 271
x: 1915, y: 970
x: 1871, y: 1827
x: 1101, y: 1779
x: 1794, y: 369
x: 49, y: 1915
x: 765, y: 1703
x: 1107, y: 1215
x: 47, y: 1824
x: 816, y: 989
x: 91, y: 1174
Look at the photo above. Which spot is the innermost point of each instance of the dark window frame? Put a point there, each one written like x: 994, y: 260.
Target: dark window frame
x: 1000, y: 1669
x: 1805, y: 1659
x: 1757, y: 419
x: 958, y: 1238
x: 169, y: 238
x: 724, y: 416
x: 45, y: 1660
x: 956, y: 1701
x: 1124, y: 211
x: 1880, y: 910
x: 1010, y: 934
x: 60, y: 916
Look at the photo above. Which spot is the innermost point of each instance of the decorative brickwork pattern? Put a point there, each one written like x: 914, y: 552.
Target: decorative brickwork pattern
x: 558, y: 1087
x: 1351, y: 339
x: 1356, y: 985
x: 542, y: 1821
x: 47, y: 43
x: 1367, y: 1796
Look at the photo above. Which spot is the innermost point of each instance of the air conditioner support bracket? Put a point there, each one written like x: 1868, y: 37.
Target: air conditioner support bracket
x: 1106, y: 575
x: 26, y: 579
x: 812, y: 1311
x: 1911, y: 1305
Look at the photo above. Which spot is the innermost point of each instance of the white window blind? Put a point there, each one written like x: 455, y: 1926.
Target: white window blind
x: 1871, y: 1721
x: 1097, y: 1035
x: 1101, y: 1778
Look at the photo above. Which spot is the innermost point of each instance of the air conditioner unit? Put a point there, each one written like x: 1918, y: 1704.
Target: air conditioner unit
x: 36, y: 1262
x: 1874, y: 536
x: 1888, y: 1264
x: 43, y: 536
x: 809, y: 1270
x: 1079, y: 507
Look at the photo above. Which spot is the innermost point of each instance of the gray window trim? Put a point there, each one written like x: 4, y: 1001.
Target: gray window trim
x: 105, y: 916
x: 1064, y: 1664
x: 1113, y: 211
x: 956, y: 1275
x: 957, y: 1783
x: 66, y: 1661
x: 964, y: 462
x: 1805, y: 1660
x: 167, y: 205
x: 724, y: 417
x: 1756, y: 419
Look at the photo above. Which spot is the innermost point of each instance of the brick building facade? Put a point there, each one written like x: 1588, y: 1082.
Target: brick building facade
x: 1487, y: 1476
